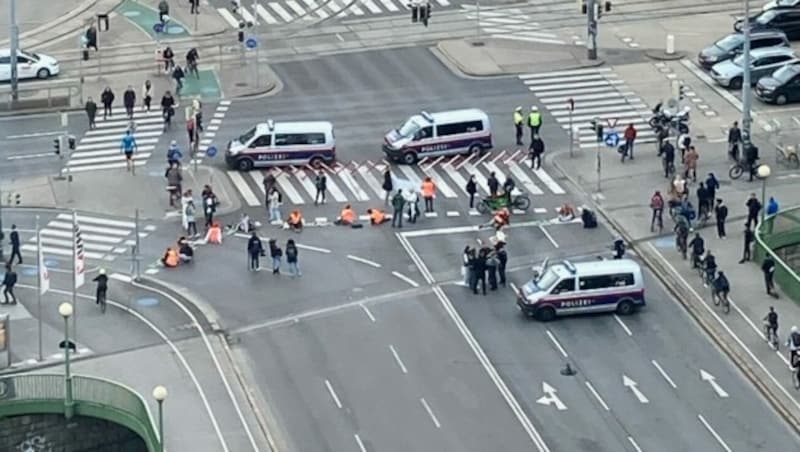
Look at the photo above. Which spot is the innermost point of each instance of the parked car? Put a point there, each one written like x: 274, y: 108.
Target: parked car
x: 731, y: 46
x: 762, y: 62
x: 785, y: 19
x: 29, y: 65
x: 780, y: 4
x: 781, y: 87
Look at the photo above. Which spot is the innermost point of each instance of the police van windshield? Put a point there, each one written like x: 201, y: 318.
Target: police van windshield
x: 410, y: 128
x: 247, y: 136
x: 547, y: 280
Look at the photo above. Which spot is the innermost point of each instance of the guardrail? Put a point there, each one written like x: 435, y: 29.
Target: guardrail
x: 93, y: 397
x: 779, y: 237
x: 46, y: 94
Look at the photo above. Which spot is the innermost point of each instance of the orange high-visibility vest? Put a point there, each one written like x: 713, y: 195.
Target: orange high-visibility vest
x: 172, y: 258
x: 377, y: 216
x: 295, y: 218
x: 428, y: 189
x: 214, y: 235
x: 348, y: 216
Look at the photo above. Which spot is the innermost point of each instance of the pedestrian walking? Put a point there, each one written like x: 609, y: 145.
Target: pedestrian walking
x: 502, y: 261
x: 191, y: 131
x: 690, y: 163
x: 209, y: 206
x: 491, y: 268
x: 167, y: 109
x: 169, y: 58
x: 749, y: 238
x: 734, y: 139
x: 466, y: 269
x: 657, y: 207
x: 493, y: 184
x: 703, y: 201
x: 291, y: 258
x: 107, y: 99
x: 90, y: 39
x: 191, y: 62
x: 668, y: 152
x: 147, y: 95
x: 174, y: 183
x: 721, y: 214
x: 768, y: 268
x: 174, y: 154
x: 9, y: 281
x: 321, y: 184
x: 630, y: 138
x: 178, y: 75
x: 751, y: 158
x: 471, y: 188
x: 411, y: 199
x: 128, y: 147
x: 428, y: 193
x: 274, y: 206
x: 91, y: 112
x: 712, y: 185
x: 508, y: 188
x: 387, y: 185
x: 518, y: 119
x: 534, y: 121
x: 536, y: 150
x: 14, y: 241
x: 684, y: 143
x: 190, y: 212
x: 163, y: 10
x: 772, y: 207
x: 129, y: 101
x: 479, y: 267
x: 753, y: 208
x: 275, y: 253
x: 397, y: 204
x: 254, y: 250
x: 197, y: 112
x: 194, y: 6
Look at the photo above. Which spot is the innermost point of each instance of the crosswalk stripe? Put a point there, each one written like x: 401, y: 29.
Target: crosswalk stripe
x: 519, y: 37
x: 118, y: 139
x: 85, y: 155
x: 524, y: 30
x: 264, y: 14
x: 280, y: 11
x: 523, y: 178
x: 372, y: 181
x: 371, y: 6
x: 294, y: 6
x: 87, y: 237
x: 355, y: 9
x: 121, y: 131
x: 580, y: 111
x: 69, y: 244
x: 138, y: 112
x: 125, y: 123
x: 389, y: 5
x: 105, y: 166
x: 560, y: 73
x: 238, y: 182
x: 312, y: 5
x: 562, y: 86
x: 456, y: 177
x: 32, y: 248
x: 443, y: 2
x: 352, y: 185
x: 411, y: 176
x: 611, y: 115
x: 288, y: 189
x: 611, y: 97
x: 257, y: 181
x: 334, y: 189
x: 598, y: 103
x: 87, y: 227
x: 85, y: 147
x: 83, y: 219
x: 111, y: 158
x: 548, y: 181
x: 441, y: 185
x: 575, y: 78
x: 335, y: 7
x: 581, y: 93
x: 248, y: 18
x: 228, y: 17
x: 307, y: 181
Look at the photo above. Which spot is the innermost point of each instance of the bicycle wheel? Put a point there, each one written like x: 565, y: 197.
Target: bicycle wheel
x: 715, y: 297
x: 796, y: 378
x: 736, y: 171
x: 522, y: 202
x: 482, y: 207
x: 103, y: 304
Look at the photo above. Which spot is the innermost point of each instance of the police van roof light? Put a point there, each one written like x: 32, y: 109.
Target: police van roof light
x: 427, y: 116
x: 270, y: 124
x: 570, y: 267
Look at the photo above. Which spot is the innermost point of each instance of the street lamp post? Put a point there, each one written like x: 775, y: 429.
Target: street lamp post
x: 763, y: 173
x: 746, y: 91
x: 65, y: 309
x: 160, y: 394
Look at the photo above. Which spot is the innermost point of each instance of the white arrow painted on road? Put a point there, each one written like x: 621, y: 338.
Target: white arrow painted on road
x: 633, y: 386
x: 712, y: 380
x: 550, y: 397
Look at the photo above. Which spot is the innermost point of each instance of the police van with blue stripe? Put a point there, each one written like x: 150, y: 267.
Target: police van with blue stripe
x: 279, y: 143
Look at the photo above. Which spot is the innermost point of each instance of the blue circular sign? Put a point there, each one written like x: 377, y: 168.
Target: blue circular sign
x: 211, y: 151
x: 158, y: 27
x: 612, y: 139
x: 251, y: 43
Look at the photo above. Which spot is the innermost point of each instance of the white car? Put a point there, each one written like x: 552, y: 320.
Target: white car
x: 29, y: 65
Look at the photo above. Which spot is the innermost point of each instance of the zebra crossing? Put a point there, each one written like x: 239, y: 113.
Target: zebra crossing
x: 285, y: 11
x: 99, y: 149
x: 509, y: 23
x: 362, y: 181
x: 210, y: 130
x: 597, y: 93
x: 103, y: 239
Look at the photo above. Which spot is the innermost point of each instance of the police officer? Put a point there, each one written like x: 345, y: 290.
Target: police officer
x: 534, y: 121
x: 518, y: 120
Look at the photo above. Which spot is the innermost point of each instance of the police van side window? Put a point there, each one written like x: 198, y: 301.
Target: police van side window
x: 261, y: 142
x: 459, y: 128
x: 605, y: 281
x: 296, y: 139
x: 564, y: 286
x: 424, y: 133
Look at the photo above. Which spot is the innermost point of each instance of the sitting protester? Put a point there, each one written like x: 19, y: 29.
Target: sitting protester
x: 376, y: 217
x: 566, y: 213
x: 171, y: 258
x: 295, y: 221
x: 214, y: 235
x: 347, y: 216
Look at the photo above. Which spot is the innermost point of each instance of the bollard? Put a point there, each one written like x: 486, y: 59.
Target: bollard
x: 670, y: 44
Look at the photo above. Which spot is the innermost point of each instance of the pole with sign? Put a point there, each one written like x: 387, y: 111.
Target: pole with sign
x: 571, y: 108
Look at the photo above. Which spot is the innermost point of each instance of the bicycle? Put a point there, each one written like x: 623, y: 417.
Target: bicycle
x: 518, y: 202
x: 738, y: 168
x: 699, y: 266
x: 771, y: 334
x: 796, y: 376
x: 680, y: 244
x: 669, y: 168
x: 721, y: 297
x: 101, y: 300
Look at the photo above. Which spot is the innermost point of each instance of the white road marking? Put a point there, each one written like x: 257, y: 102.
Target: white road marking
x: 712, y: 380
x: 248, y: 195
x: 121, y: 277
x: 364, y: 261
x: 549, y: 237
x: 622, y: 324
x: 389, y: 5
x: 333, y: 394
x: 314, y: 248
x: 633, y: 443
x: 333, y: 189
x: 557, y: 344
x: 563, y: 73
x: 360, y: 443
x: 714, y: 433
x: 597, y: 396
x: 352, y: 185
x: 371, y: 6
x: 664, y: 374
x: 287, y: 188
x: 629, y: 383
x: 312, y: 5
x: 550, y: 397
x: 248, y: 18
x: 368, y: 312
x: 280, y: 11
x: 456, y: 177
x: 430, y: 412
x: 268, y: 18
x: 294, y: 6
x: 397, y: 359
x: 406, y: 279
x: 372, y: 182
x: 523, y: 178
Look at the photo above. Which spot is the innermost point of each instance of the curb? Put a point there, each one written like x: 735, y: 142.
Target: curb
x: 662, y: 55
x: 55, y: 23
x: 677, y: 289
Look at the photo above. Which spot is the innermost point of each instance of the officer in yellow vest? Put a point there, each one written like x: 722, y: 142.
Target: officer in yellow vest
x: 518, y: 120
x: 534, y: 121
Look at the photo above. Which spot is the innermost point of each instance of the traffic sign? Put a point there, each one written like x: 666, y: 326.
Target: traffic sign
x: 158, y: 27
x: 612, y: 139
x: 211, y: 151
x: 251, y: 43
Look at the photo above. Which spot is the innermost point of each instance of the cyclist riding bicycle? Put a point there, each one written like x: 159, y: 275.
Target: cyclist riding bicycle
x: 771, y: 320
x: 698, y: 248
x: 721, y: 285
x: 711, y: 267
x: 102, y: 286
x: 793, y: 342
x: 681, y: 233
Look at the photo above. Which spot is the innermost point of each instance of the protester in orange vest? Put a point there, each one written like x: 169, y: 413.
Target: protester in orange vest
x: 428, y: 193
x: 566, y: 213
x: 171, y: 258
x: 501, y: 218
x: 376, y: 217
x: 214, y: 235
x: 295, y: 221
x: 347, y: 217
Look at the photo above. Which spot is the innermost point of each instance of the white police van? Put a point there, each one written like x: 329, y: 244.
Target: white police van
x: 283, y: 143
x: 584, y: 287
x: 443, y: 133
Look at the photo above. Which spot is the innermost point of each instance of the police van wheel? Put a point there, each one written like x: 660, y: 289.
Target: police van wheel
x: 409, y: 158
x: 546, y: 314
x: 244, y: 164
x: 625, y: 307
x: 315, y: 162
x: 475, y: 149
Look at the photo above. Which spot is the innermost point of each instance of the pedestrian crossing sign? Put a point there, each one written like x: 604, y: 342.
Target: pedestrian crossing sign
x: 612, y: 139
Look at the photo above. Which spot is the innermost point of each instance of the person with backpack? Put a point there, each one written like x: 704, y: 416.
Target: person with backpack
x: 321, y: 184
x: 174, y: 154
x: 178, y: 75
x: 275, y: 253
x: 793, y: 342
x: 291, y: 258
x: 274, y: 206
x: 209, y: 205
x: 387, y: 186
x: 254, y: 249
x: 657, y: 206
x: 472, y: 188
x: 107, y: 98
x: 9, y: 281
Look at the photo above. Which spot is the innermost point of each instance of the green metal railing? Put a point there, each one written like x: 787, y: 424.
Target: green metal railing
x: 93, y: 397
x: 779, y: 237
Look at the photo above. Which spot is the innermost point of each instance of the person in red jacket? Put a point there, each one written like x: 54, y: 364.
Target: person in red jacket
x: 630, y: 137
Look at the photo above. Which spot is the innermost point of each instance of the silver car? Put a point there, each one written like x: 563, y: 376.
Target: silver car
x: 762, y: 62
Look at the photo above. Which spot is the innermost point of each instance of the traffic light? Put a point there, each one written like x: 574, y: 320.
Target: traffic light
x: 598, y: 11
x: 415, y: 11
x: 425, y: 12
x: 71, y: 142
x: 240, y: 34
x: 598, y: 128
x: 57, y: 146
